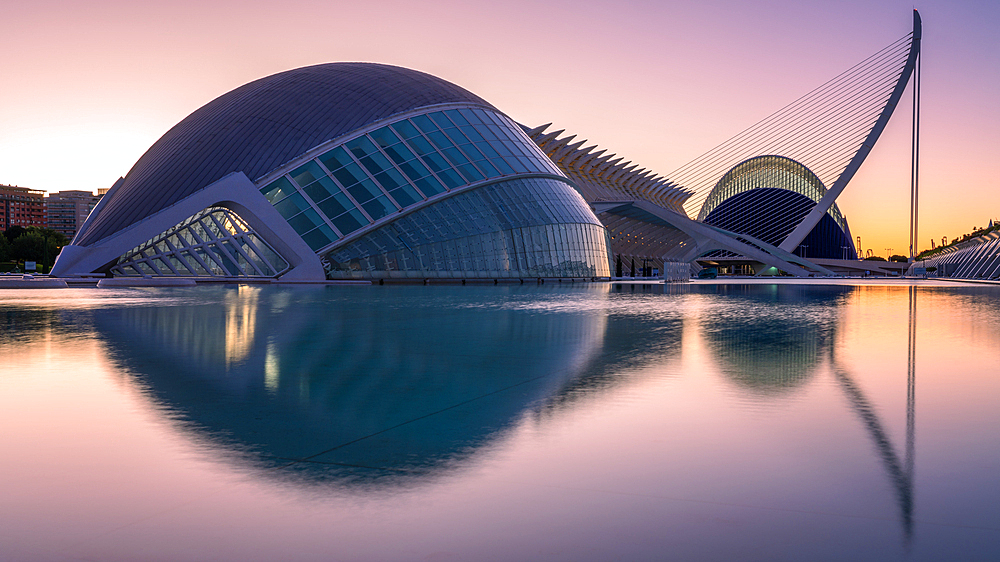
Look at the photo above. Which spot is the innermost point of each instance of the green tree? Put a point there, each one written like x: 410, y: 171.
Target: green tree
x: 4, y: 249
x: 37, y: 244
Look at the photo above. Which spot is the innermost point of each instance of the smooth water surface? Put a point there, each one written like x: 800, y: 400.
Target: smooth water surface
x: 584, y: 422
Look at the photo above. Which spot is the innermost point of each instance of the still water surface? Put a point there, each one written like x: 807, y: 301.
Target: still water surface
x: 594, y: 422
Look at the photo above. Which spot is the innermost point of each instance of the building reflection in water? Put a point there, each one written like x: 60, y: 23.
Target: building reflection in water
x: 357, y: 384
x: 383, y: 387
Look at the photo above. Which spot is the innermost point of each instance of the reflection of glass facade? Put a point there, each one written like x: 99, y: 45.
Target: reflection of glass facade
x: 526, y: 227
x: 397, y: 166
x: 214, y: 242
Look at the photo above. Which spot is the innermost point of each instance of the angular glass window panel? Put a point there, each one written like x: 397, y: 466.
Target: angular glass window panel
x: 456, y: 156
x: 384, y: 137
x: 487, y: 150
x: 181, y: 267
x: 472, y: 152
x: 456, y: 117
x: 399, y: 153
x: 316, y: 239
x: 145, y: 268
x: 161, y: 266
x: 424, y: 123
x: 365, y: 191
x: 502, y: 149
x: 440, y: 119
x: 528, y: 164
x: 197, y: 267
x: 470, y: 173
x: 472, y: 134
x: 335, y: 159
x: 472, y: 116
x: 390, y: 179
x: 517, y: 165
x: 237, y: 267
x: 405, y: 129
x: 320, y: 190
x: 307, y: 173
x: 350, y: 175
x: 379, y: 207
x: 487, y: 168
x: 360, y: 147
x: 451, y: 178
x: 414, y: 169
x: 278, y: 189
x: 255, y: 260
x: 430, y: 186
x: 265, y: 251
x: 455, y: 135
x: 291, y: 206
x: 421, y: 146
x: 350, y: 221
x: 405, y: 196
x: 304, y: 222
x: 215, y: 267
x: 435, y: 162
x: 487, y: 132
x: 162, y: 247
x: 375, y: 163
x: 176, y: 241
x: 336, y: 205
x: 439, y: 140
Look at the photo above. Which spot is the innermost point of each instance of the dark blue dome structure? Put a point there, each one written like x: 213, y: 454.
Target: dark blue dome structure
x: 262, y: 125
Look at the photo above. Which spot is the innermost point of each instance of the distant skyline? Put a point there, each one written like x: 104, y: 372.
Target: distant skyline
x: 90, y: 86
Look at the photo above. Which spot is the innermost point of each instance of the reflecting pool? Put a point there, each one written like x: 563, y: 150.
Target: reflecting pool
x: 799, y: 421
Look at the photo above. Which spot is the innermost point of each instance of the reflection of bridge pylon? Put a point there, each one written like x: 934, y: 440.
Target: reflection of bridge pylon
x: 900, y: 473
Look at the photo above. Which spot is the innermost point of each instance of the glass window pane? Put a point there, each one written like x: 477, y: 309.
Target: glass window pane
x: 430, y: 186
x: 424, y: 123
x: 360, y: 146
x: 379, y: 207
x: 414, y: 169
x: 439, y: 140
x: 405, y: 196
x: 472, y: 134
x: 399, y: 153
x: 405, y: 129
x: 487, y: 168
x: 308, y: 173
x: 335, y: 159
x: 384, y: 137
x: 278, y: 189
x: 435, y: 162
x: 349, y: 175
x: 421, y: 146
x: 456, y: 156
x: 305, y: 221
x: 350, y: 221
x: 503, y: 166
x: 291, y: 206
x: 390, y: 179
x: 336, y: 205
x: 440, y: 120
x: 470, y: 173
x: 472, y: 152
x: 471, y: 115
x: 321, y: 189
x: 316, y: 239
x: 365, y: 191
x: 375, y: 163
x: 451, y: 178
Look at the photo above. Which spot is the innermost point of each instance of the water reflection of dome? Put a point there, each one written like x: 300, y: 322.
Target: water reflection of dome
x: 364, y: 385
x: 777, y: 342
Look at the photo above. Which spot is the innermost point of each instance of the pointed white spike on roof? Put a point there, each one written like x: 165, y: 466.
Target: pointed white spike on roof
x: 580, y: 155
x: 542, y: 140
x: 537, y: 130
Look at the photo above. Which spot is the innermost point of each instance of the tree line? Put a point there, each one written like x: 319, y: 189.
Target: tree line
x: 19, y: 244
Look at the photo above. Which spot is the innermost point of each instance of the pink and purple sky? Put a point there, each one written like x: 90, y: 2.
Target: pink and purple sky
x: 89, y: 86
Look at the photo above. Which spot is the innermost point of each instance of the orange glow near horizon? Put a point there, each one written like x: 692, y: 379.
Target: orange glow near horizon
x: 90, y: 87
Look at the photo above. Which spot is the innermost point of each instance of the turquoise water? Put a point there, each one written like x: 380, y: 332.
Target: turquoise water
x: 584, y: 422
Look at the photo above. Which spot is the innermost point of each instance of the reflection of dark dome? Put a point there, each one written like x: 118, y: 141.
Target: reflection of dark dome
x: 363, y: 383
x: 260, y: 126
x: 778, y: 343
